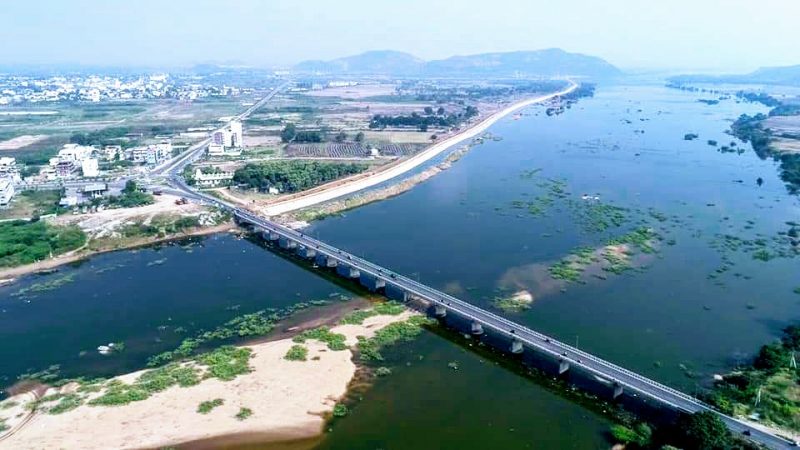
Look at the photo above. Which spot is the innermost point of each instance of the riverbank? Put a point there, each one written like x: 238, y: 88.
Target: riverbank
x: 356, y: 183
x: 7, y: 275
x: 299, y: 219
x: 286, y: 399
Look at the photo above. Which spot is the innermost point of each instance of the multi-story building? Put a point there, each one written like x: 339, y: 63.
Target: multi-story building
x: 6, y: 191
x: 152, y: 154
x: 90, y: 167
x: 8, y: 165
x: 212, y: 179
x: 237, y: 139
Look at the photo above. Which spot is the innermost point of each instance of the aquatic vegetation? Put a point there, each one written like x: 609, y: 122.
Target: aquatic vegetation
x: 206, y: 406
x: 258, y: 323
x: 369, y: 348
x: 381, y: 309
x: 340, y: 410
x: 297, y: 353
x: 44, y: 286
x: 690, y: 136
x: 639, y: 434
x: 224, y: 363
x: 517, y: 302
x: 244, y: 413
x: 383, y: 371
x: 335, y: 341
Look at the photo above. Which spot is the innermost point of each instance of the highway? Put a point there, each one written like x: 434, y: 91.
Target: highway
x: 176, y: 165
x: 603, y: 370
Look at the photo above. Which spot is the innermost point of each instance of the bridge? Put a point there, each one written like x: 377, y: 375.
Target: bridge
x: 517, y: 338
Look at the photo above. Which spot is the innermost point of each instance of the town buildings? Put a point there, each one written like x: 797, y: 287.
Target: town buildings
x: 212, y: 178
x: 6, y: 191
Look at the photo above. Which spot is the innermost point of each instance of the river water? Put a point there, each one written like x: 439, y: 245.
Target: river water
x: 696, y: 306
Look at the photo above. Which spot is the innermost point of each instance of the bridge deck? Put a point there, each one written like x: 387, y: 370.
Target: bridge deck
x: 604, y: 370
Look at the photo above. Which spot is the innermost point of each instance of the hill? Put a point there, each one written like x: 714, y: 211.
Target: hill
x: 373, y: 62
x: 546, y: 63
x: 785, y: 75
x: 550, y: 62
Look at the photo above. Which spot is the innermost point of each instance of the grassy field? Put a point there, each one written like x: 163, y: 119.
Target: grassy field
x: 31, y: 203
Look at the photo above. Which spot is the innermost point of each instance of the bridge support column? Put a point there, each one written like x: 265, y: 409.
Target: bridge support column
x: 439, y: 311
x: 347, y: 271
x: 563, y: 366
x: 324, y: 261
x: 516, y: 347
x: 396, y: 293
x: 617, y: 390
x: 476, y: 328
x: 273, y: 236
x: 305, y: 252
x: 286, y: 243
x: 370, y: 282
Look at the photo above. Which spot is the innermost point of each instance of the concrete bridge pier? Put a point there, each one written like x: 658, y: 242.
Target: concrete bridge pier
x: 273, y: 236
x: 347, y: 271
x: 396, y: 293
x: 563, y: 366
x: 516, y: 347
x: 324, y: 261
x: 305, y: 252
x: 370, y: 282
x: 439, y: 311
x: 617, y: 390
x: 476, y: 328
x: 286, y: 243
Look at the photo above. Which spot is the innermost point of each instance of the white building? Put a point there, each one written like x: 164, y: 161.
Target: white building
x: 75, y: 152
x: 237, y: 137
x: 6, y: 191
x: 212, y: 179
x: 90, y: 167
x: 110, y: 152
x: 216, y: 149
x: 8, y: 165
x: 152, y: 154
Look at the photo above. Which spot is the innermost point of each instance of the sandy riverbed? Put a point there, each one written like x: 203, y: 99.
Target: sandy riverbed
x: 288, y: 400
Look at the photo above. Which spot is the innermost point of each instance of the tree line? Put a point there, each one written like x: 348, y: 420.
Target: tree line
x: 292, y: 176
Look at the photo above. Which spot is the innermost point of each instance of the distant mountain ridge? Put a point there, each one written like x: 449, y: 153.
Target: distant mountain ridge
x: 549, y: 62
x: 783, y: 75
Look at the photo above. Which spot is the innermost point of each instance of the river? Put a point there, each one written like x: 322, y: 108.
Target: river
x: 488, y: 226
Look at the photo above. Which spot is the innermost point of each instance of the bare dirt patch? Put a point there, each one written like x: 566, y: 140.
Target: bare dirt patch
x: 21, y: 141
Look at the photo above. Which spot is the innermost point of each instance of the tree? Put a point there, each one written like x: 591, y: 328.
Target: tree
x: 341, y: 136
x: 771, y: 357
x: 428, y: 110
x: 434, y: 137
x: 701, y: 431
x: 440, y: 111
x: 423, y: 127
x: 289, y: 132
x: 130, y: 187
x: 359, y: 137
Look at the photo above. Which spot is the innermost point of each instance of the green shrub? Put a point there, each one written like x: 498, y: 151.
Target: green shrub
x: 335, y: 341
x: 340, y: 410
x: 244, y: 413
x: 297, y: 353
x: 369, y: 349
x: 227, y: 362
x: 206, y: 406
x: 67, y: 403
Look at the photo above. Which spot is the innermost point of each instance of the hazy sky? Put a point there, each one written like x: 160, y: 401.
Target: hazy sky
x: 730, y: 35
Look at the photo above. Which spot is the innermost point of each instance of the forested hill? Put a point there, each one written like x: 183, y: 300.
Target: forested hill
x: 545, y: 63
